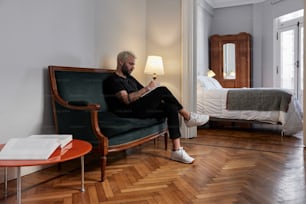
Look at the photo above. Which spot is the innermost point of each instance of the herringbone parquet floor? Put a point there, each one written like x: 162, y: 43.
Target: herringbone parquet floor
x: 232, y: 166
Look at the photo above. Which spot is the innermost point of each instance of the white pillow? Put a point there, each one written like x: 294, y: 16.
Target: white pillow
x: 208, y: 82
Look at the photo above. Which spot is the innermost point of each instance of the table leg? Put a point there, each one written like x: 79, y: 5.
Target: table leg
x: 5, y: 182
x: 82, y: 167
x: 18, y: 185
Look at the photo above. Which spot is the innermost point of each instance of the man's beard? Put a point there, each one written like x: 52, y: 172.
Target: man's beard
x: 125, y: 70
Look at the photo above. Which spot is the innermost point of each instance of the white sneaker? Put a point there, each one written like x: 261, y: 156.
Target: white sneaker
x: 181, y: 155
x: 196, y: 120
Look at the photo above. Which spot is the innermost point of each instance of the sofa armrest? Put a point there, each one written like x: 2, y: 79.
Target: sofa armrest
x: 78, y: 103
x: 75, y: 105
x: 80, y: 121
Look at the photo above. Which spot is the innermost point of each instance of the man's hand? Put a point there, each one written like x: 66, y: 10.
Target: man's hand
x: 152, y: 84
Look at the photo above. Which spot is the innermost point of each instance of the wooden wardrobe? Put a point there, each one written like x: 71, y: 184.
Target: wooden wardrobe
x: 230, y: 59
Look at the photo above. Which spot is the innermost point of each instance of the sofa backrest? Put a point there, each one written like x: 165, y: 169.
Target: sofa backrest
x: 81, y: 85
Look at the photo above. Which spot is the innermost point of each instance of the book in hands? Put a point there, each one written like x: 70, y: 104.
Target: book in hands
x: 28, y: 149
x: 148, y: 92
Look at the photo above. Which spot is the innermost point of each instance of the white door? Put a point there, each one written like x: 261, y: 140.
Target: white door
x: 289, y: 57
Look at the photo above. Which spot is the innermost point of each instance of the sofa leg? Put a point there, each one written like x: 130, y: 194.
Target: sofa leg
x: 166, y: 140
x: 103, y: 166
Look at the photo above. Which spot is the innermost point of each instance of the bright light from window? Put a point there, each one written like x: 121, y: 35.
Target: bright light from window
x: 291, y: 16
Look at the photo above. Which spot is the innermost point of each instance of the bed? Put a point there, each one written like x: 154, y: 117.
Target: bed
x: 260, y: 105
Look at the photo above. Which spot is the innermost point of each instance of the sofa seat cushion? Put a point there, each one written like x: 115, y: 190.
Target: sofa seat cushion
x: 137, y: 134
x: 111, y: 125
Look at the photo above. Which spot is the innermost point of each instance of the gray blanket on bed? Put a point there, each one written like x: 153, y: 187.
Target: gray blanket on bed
x: 258, y: 99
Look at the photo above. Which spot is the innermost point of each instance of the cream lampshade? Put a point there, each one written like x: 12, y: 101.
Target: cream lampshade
x: 154, y: 66
x: 211, y: 73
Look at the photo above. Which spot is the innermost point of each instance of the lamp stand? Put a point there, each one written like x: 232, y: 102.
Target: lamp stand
x: 154, y: 76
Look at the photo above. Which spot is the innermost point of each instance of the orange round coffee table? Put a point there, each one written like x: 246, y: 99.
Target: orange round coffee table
x: 75, y: 149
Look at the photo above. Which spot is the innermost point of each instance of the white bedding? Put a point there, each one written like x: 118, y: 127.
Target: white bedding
x: 211, y: 100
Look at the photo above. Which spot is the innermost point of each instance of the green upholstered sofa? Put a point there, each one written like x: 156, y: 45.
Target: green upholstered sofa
x: 79, y: 108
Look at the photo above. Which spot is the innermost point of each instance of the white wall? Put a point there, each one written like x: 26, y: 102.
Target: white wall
x: 163, y: 37
x: 150, y: 27
x: 121, y: 25
x: 257, y: 44
x: 203, y: 29
x: 35, y: 34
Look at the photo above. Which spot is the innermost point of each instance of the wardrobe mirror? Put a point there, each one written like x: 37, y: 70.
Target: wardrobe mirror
x: 229, y: 61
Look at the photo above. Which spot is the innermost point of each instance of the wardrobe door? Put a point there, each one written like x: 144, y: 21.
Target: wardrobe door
x: 230, y: 59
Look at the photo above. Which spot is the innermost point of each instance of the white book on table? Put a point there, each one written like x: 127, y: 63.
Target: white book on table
x: 28, y: 149
x: 62, y: 139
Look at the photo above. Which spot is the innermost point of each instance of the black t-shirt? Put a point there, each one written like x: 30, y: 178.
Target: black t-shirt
x: 112, y: 85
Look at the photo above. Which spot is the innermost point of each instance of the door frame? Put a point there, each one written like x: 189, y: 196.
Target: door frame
x: 295, y: 25
x: 188, y: 71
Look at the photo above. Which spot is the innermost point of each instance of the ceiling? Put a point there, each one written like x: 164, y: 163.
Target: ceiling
x: 228, y: 3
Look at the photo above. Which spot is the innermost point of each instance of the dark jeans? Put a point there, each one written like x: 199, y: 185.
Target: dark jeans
x: 160, y: 103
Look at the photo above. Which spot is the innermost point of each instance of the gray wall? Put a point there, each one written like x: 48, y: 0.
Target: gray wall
x: 256, y: 19
x: 35, y: 34
x: 204, y: 14
x: 232, y: 20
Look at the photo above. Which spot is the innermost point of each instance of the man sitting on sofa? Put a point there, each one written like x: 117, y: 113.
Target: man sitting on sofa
x: 126, y: 99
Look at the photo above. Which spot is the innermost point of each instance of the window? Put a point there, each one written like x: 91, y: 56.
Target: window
x: 289, y: 53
